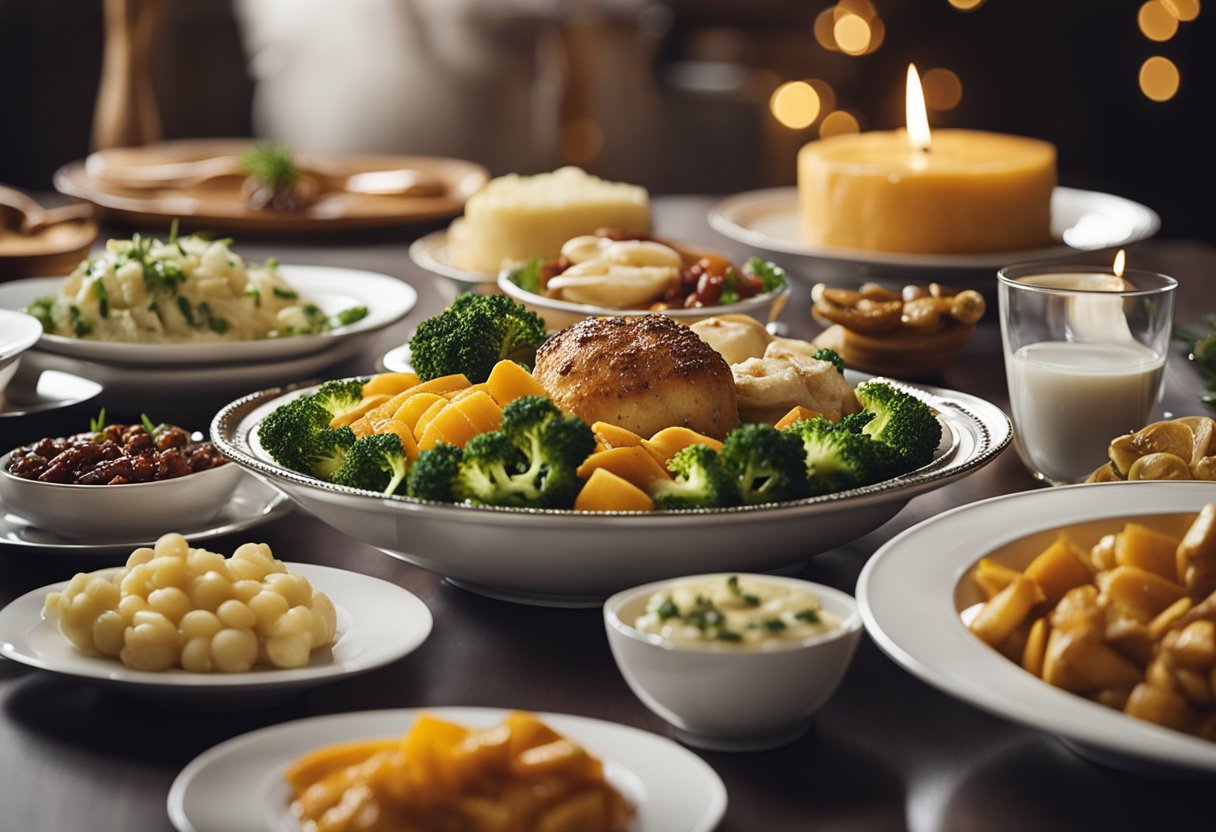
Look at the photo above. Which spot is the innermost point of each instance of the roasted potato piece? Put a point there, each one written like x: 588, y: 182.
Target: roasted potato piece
x: 1059, y: 568
x: 1036, y: 646
x: 1077, y: 660
x: 1138, y: 545
x: 1196, y: 556
x: 1006, y: 610
x: 1138, y: 593
x: 992, y: 577
x: 1163, y: 707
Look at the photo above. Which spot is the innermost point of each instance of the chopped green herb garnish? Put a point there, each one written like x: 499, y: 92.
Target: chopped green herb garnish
x: 723, y: 634
x: 730, y: 287
x: 97, y: 425
x: 41, y: 308
x: 173, y: 231
x: 286, y: 294
x: 80, y: 326
x: 1201, y: 350
x: 271, y: 163
x: 187, y: 312
x: 351, y: 315
x: 772, y: 276
x: 147, y: 423
x: 732, y: 583
x: 255, y: 293
x: 103, y: 297
x: 772, y: 625
x: 809, y: 616
x: 667, y: 609
x: 217, y: 325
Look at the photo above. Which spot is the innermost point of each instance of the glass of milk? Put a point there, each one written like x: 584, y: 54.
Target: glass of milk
x: 1084, y: 357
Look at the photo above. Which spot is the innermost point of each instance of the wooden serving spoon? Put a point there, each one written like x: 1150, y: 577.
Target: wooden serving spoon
x: 23, y: 214
x: 329, y: 177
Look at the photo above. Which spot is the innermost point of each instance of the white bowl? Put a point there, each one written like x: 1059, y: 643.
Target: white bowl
x: 726, y: 697
x: 133, y: 511
x: 575, y: 558
x: 562, y: 314
x: 914, y: 590
x: 18, y: 332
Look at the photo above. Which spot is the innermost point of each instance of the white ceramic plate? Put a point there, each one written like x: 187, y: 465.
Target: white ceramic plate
x: 151, y: 383
x: 430, y: 252
x: 911, y: 596
x: 333, y: 289
x: 378, y: 623
x: 237, y: 786
x: 34, y: 390
x: 567, y: 558
x: 1081, y: 221
x: 251, y: 504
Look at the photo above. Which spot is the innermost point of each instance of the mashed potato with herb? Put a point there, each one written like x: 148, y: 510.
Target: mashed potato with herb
x: 188, y: 289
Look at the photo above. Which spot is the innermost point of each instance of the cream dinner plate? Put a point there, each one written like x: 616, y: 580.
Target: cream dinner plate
x: 912, y: 594
x: 1081, y: 221
x: 378, y: 623
x: 333, y: 289
x: 237, y: 786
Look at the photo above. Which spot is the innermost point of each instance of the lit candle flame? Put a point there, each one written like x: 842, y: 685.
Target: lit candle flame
x: 918, y: 119
x: 1120, y: 259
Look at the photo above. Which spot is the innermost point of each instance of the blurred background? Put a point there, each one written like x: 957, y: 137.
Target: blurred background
x: 682, y: 96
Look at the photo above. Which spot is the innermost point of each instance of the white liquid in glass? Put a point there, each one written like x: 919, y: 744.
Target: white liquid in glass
x: 1070, y: 400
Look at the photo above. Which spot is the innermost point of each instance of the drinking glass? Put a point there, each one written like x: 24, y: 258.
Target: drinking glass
x: 1084, y: 357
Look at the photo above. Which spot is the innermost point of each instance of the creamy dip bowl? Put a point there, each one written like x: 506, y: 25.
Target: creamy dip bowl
x: 734, y: 662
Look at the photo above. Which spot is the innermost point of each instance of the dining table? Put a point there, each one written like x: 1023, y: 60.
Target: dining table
x: 887, y: 752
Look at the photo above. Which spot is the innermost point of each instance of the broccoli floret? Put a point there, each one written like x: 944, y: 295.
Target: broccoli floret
x: 374, y: 463
x: 838, y: 456
x: 328, y: 451
x: 339, y: 396
x: 474, y: 334
x: 769, y: 464
x: 433, y: 474
x: 902, y: 421
x: 288, y: 432
x: 826, y: 354
x: 700, y: 481
x: 531, y: 460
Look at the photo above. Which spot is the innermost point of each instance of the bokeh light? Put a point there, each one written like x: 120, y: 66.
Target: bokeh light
x: 827, y: 95
x: 943, y: 89
x: 1184, y: 10
x: 795, y: 104
x: 852, y: 34
x: 1156, y: 22
x: 966, y: 5
x: 825, y: 23
x: 1159, y: 78
x: 837, y: 123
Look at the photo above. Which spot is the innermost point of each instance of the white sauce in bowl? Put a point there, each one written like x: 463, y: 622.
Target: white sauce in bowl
x: 748, y: 612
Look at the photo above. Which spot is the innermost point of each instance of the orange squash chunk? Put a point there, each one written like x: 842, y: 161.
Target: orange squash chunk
x: 613, y: 436
x: 403, y: 433
x: 442, y: 385
x: 669, y: 441
x: 467, y: 391
x: 509, y: 381
x: 480, y: 409
x: 412, y: 408
x: 386, y: 409
x: 635, y: 465
x: 362, y: 427
x: 316, y: 765
x: 364, y: 407
x: 605, y: 491
x: 390, y: 383
x: 447, y: 425
x: 796, y: 414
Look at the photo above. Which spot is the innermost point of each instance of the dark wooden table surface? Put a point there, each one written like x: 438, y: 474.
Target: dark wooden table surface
x: 887, y: 752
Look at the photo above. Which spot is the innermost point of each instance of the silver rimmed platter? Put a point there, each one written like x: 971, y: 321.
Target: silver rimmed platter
x: 378, y: 623
x: 1081, y: 222
x: 931, y: 563
x: 238, y: 786
x: 569, y: 558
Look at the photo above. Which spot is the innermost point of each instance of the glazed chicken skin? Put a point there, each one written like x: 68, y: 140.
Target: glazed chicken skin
x: 643, y: 373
